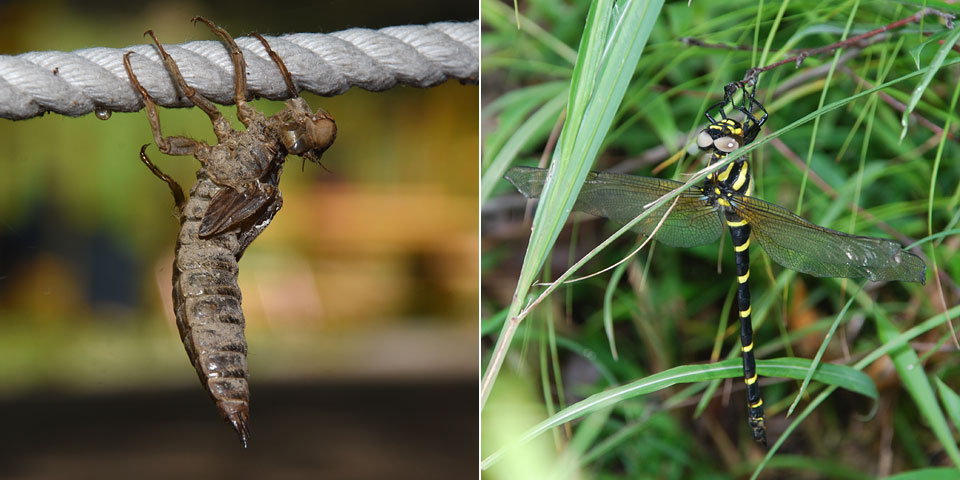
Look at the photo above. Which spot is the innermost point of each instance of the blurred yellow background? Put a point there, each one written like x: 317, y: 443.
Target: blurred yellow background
x: 367, y: 274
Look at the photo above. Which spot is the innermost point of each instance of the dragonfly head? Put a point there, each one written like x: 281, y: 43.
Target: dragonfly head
x: 723, y: 136
x: 304, y: 132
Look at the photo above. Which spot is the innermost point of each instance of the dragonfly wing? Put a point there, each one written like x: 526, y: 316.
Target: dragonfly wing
x: 800, y: 245
x: 230, y: 208
x: 621, y: 198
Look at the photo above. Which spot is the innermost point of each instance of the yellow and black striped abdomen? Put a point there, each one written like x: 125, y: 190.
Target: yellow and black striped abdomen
x: 732, y: 181
x: 740, y: 231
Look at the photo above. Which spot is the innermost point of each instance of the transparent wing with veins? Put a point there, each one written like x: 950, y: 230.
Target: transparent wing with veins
x: 621, y: 198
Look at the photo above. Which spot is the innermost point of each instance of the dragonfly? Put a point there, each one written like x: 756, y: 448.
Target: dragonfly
x: 725, y: 199
x: 236, y: 196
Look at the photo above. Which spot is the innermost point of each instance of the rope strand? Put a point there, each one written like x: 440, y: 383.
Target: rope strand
x: 79, y: 82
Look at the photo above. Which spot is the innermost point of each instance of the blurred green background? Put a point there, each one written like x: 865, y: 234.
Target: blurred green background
x: 367, y: 278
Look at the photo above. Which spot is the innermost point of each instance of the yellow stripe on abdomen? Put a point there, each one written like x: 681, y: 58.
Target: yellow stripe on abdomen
x: 738, y: 223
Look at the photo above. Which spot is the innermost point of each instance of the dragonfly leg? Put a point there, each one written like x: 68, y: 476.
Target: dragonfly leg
x: 741, y: 243
x: 245, y: 113
x: 220, y: 125
x: 749, y: 101
x: 287, y: 78
x: 719, y: 107
x: 178, y: 197
x: 173, y: 145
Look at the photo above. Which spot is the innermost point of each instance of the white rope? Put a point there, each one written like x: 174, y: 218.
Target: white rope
x: 76, y: 83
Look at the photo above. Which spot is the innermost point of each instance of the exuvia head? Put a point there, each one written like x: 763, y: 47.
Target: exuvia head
x: 304, y: 132
x: 723, y: 136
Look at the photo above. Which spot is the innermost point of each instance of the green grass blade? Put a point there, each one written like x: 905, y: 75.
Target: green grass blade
x: 915, y: 381
x: 796, y: 368
x: 950, y: 401
x: 538, y: 122
x: 819, y: 355
x: 823, y: 98
x: 932, y: 70
x: 534, y: 95
x: 496, y: 13
x: 934, y: 39
x: 585, y: 436
x: 890, y: 344
x: 608, y: 306
x: 608, y: 55
x: 937, y: 473
x: 510, y: 111
x: 816, y: 468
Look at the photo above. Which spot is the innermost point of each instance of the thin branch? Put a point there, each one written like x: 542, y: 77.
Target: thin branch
x: 798, y: 59
x: 694, y: 42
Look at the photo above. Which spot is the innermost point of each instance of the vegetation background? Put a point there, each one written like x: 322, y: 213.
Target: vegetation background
x: 586, y: 388
x: 360, y: 298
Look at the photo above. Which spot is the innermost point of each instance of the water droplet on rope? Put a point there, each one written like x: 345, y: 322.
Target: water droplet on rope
x: 102, y: 113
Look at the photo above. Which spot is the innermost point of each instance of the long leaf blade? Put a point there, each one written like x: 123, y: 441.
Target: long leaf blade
x: 932, y: 70
x: 796, y: 368
x: 605, y: 64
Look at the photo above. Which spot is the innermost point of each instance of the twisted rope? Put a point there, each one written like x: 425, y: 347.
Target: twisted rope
x: 76, y: 83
